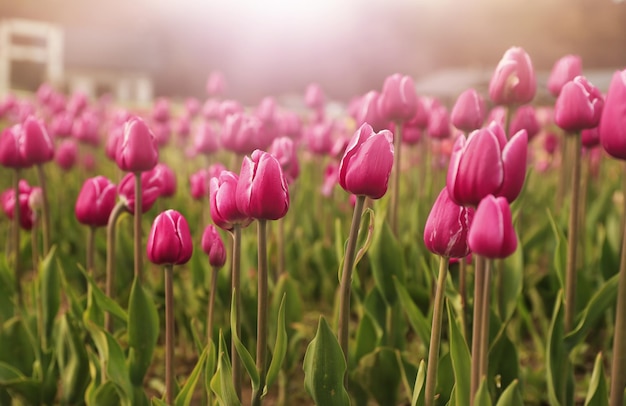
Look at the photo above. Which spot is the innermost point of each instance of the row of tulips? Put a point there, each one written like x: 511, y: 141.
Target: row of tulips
x: 472, y: 213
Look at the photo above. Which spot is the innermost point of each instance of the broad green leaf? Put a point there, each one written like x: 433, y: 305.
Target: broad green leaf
x: 143, y: 332
x: 106, y: 394
x: 461, y: 361
x: 418, y: 321
x: 50, y: 294
x: 512, y: 283
x: 556, y: 358
x: 597, y: 394
x: 511, y: 396
x: 387, y: 260
x: 158, y: 402
x: 366, y: 231
x: 244, y: 354
x: 368, y: 336
x: 560, y: 252
x: 185, y: 395
x: 222, y: 382
x: 210, y: 365
x: 379, y: 374
x: 7, y: 290
x: 418, y: 388
x: 280, y: 347
x: 18, y: 385
x: 324, y: 368
x: 73, y: 361
x: 482, y: 394
x: 104, y: 302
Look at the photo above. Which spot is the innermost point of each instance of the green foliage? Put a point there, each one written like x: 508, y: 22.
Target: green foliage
x: 387, y: 259
x: 143, y: 332
x: 461, y: 361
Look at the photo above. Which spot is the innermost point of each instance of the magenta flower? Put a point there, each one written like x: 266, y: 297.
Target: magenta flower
x: 213, y: 246
x: 216, y: 84
x: 368, y: 111
x: 35, y: 146
x: 398, y: 100
x: 61, y: 125
x: 150, y: 190
x: 169, y: 242
x: 613, y: 122
x: 469, y: 111
x: 27, y: 215
x: 284, y: 150
x: 240, y: 133
x: 367, y: 162
x: 224, y: 211
x: 439, y: 123
x: 199, y: 182
x: 578, y: 106
x: 95, y: 201
x: 168, y: 179
x: 492, y: 234
x: 590, y: 137
x: 66, y: 154
x: 319, y: 137
x: 525, y: 118
x: 205, y: 139
x: 10, y: 155
x: 314, y: 96
x: 447, y: 226
x: 86, y: 128
x: 113, y: 141
x: 137, y: 150
x: 161, y: 110
x: 513, y: 81
x: 564, y: 70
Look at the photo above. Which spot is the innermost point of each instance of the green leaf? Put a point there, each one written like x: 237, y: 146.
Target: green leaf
x: 387, y: 260
x: 18, y: 385
x: 185, y: 395
x: 597, y: 394
x: 560, y: 252
x: 461, y: 361
x: 512, y: 283
x: 368, y: 336
x: 280, y: 347
x: 418, y: 322
x: 210, y: 365
x: 7, y: 290
x: 511, y: 396
x: 379, y: 374
x: 158, y: 402
x: 482, y: 395
x: 324, y: 368
x: 50, y: 292
x: 418, y: 388
x: 143, y: 332
x: 556, y: 358
x: 366, y: 231
x: 104, y: 302
x: 106, y: 394
x: 73, y: 361
x: 244, y: 354
x: 222, y: 382
x: 595, y: 309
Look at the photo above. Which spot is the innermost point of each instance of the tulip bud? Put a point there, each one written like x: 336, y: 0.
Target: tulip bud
x: 113, y: 142
x: 262, y: 191
x: 27, y: 215
x: 492, y: 234
x: 367, y: 162
x: 314, y: 96
x: 224, y: 211
x: 240, y: 133
x: 137, y: 150
x: 331, y: 176
x: 513, y: 81
x: 525, y: 118
x: 468, y: 113
x: 514, y: 165
x: 66, y: 154
x: 169, y: 242
x: 205, y: 140
x: 192, y: 106
x: 213, y: 246
x: 590, y: 137
x: 284, y: 151
x: 10, y: 155
x: 319, y: 137
x: 61, y: 125
x: 161, y: 110
x: 550, y: 143
x: 95, y: 201
x: 579, y: 106
x: 564, y: 70
x: 85, y: 129
x: 613, y: 122
x: 368, y: 111
x: 150, y: 190
x: 398, y: 100
x: 36, y: 145
x: 199, y: 182
x: 447, y: 226
x: 439, y: 123
x: 216, y: 84
x: 168, y: 179
x: 215, y: 170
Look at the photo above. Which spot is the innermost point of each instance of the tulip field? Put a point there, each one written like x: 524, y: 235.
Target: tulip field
x: 403, y: 251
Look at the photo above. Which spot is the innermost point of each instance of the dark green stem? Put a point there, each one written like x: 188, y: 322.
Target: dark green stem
x: 281, y: 248
x: 435, y: 333
x: 572, y: 238
x: 45, y: 224
x: 236, y: 282
x: 261, y: 335
x: 395, y: 193
x: 479, y: 284
x: 138, y: 252
x: 16, y: 237
x: 34, y: 245
x: 463, y: 294
x: 484, y: 324
x: 117, y: 211
x: 346, y: 280
x: 169, y: 334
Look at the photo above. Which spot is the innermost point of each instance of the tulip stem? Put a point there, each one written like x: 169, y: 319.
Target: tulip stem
x: 235, y: 283
x: 618, y: 364
x: 479, y: 284
x: 261, y: 335
x: 463, y: 294
x: 16, y: 236
x: 281, y: 248
x: 395, y: 195
x: 91, y: 240
x: 435, y: 333
x: 138, y: 251
x: 33, y: 245
x: 169, y: 334
x: 117, y: 211
x: 45, y: 206
x: 346, y: 280
x: 212, y: 290
x: 572, y: 238
x: 484, y: 324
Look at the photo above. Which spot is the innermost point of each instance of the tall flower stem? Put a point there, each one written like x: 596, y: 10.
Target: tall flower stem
x: 572, y: 238
x: 346, y: 279
x: 211, y: 305
x: 45, y: 224
x: 618, y: 366
x: 463, y: 294
x: 34, y: 246
x: 235, y: 283
x: 169, y: 334
x: 16, y: 237
x: 91, y: 242
x: 261, y: 335
x: 479, y: 284
x: 484, y: 324
x: 395, y: 195
x: 117, y: 211
x: 138, y: 252
x: 281, y: 248
x: 435, y: 333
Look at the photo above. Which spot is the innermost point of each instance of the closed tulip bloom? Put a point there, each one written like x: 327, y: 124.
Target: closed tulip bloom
x: 27, y: 215
x: 36, y: 145
x: 525, y: 118
x: 564, y: 70
x: 319, y: 137
x: 447, y: 226
x: 284, y: 151
x: 199, y: 182
x: 86, y: 129
x: 95, y: 201
x: 579, y: 106
x: 168, y: 179
x: 161, y: 110
x: 113, y: 141
x: 262, y: 191
x: 398, y: 100
x: 514, y: 156
x: 550, y: 143
x: 469, y: 111
x: 492, y: 234
x: 169, y: 242
x: 314, y: 96
x: 215, y: 170
x: 368, y: 111
x: 590, y: 137
x: 10, y: 155
x: 240, y: 133
x: 613, y: 122
x: 192, y: 106
x: 439, y: 123
x: 411, y: 135
x: 137, y: 150
x: 216, y: 84
x: 205, y: 139
x: 331, y: 176
x: 150, y: 190
x: 213, y: 246
x: 66, y: 154
x: 367, y: 162
x: 61, y: 125
x: 228, y: 107
x: 223, y: 202
x: 513, y: 81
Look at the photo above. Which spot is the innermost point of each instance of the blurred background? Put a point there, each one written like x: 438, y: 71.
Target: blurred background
x: 277, y: 47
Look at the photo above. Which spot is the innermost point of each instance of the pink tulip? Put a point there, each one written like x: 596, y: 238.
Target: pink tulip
x: 367, y: 162
x: 513, y: 81
x: 240, y: 133
x: 468, y: 113
x: 564, y: 70
x: 550, y: 143
x: 590, y: 137
x: 61, y: 125
x: 319, y: 137
x: 169, y: 241
x: 10, y: 155
x: 27, y: 215
x: 95, y: 201
x: 211, y: 109
x: 216, y: 84
x: 291, y: 125
x: 369, y: 112
x: 314, y: 96
x: 161, y: 110
x: 114, y: 138
x: 137, y: 150
x: 578, y: 106
x: 613, y: 122
x: 213, y: 246
x: 150, y: 190
x: 284, y: 150
x: 439, y: 123
x: 192, y: 106
x: 215, y: 170
x: 162, y: 132
x: 525, y: 119
x: 228, y: 107
x: 199, y: 182
x: 183, y: 126
x: 262, y: 191
x: 492, y: 234
x: 224, y: 211
x: 66, y: 154
x: 36, y: 146
x: 446, y: 229
x: 331, y: 177
x: 86, y: 129
x: 168, y: 179
x: 205, y: 139
x: 398, y: 100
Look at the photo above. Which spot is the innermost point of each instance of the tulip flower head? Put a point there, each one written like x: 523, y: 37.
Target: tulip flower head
x: 367, y: 162
x: 213, y: 246
x: 469, y: 111
x: 368, y: 111
x: 216, y: 84
x: 151, y: 186
x: 10, y: 155
x: 439, y: 123
x: 66, y: 154
x: 284, y: 150
x: 525, y: 118
x: 578, y: 106
x: 613, y: 122
x: 564, y: 70
x: 169, y: 242
x: 223, y: 202
x: 168, y: 179
x: 137, y: 150
x: 446, y: 229
x: 205, y: 139
x: 95, y: 201
x: 398, y: 100
x: 513, y: 81
x: 36, y: 146
x: 492, y: 234
x: 314, y: 96
x: 199, y: 182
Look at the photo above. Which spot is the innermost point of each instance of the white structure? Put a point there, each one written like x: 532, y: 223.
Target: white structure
x: 126, y: 87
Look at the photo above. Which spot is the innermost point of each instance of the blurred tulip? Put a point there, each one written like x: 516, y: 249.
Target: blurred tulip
x: 564, y: 70
x: 211, y: 109
x: 368, y: 112
x: 161, y: 110
x: 95, y: 201
x: 468, y: 113
x: 314, y: 96
x: 27, y: 215
x: 367, y: 162
x: 216, y: 84
x: 137, y: 150
x: 284, y: 150
x: 192, y: 106
x: 113, y: 142
x: 613, y: 122
x: 61, y: 125
x: 66, y: 154
x: 590, y: 137
x: 199, y: 182
x: 240, y: 133
x: 398, y: 99
x: 169, y: 242
x: 205, y: 139
x: 77, y: 102
x: 150, y: 190
x: 162, y: 132
x: 513, y: 81
x: 446, y: 229
x: 319, y: 137
x: 183, y: 126
x: 331, y: 177
x: 213, y: 246
x: 10, y: 155
x: 228, y: 107
x: 525, y: 119
x: 492, y: 234
x: 578, y: 106
x: 215, y: 170
x: 224, y: 211
x: 550, y: 143
x: 168, y: 179
x: 439, y: 123
x: 35, y: 146
x: 85, y: 129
